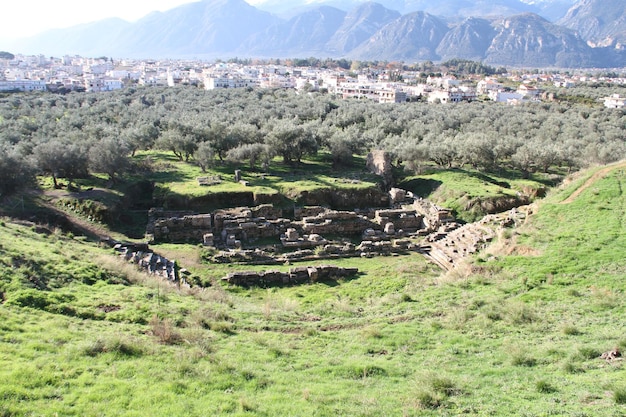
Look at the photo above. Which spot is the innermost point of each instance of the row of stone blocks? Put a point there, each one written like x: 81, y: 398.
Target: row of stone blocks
x: 148, y: 261
x: 295, y: 276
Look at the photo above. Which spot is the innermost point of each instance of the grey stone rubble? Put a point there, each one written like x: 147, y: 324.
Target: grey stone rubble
x: 149, y: 261
x: 295, y: 276
x: 264, y: 235
x: 449, y: 247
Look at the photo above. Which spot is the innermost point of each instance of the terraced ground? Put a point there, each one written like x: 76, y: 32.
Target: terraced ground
x: 519, y: 331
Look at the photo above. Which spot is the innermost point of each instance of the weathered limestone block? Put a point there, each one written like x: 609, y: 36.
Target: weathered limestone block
x: 390, y: 229
x: 313, y: 274
x: 397, y: 195
x: 309, y: 211
x: 379, y: 163
x: 292, y: 235
x: 369, y: 233
x: 315, y: 238
x: 207, y: 239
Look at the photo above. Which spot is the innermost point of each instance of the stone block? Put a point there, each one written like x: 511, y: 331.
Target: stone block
x: 397, y: 195
x: 292, y: 235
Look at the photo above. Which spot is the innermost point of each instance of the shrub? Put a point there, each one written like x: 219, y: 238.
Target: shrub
x: 619, y: 395
x: 406, y: 298
x: 29, y: 298
x: 520, y: 313
x: 164, y: 331
x: 544, y: 387
x: 571, y: 368
x: 521, y: 358
x: 570, y: 330
x: 436, y: 389
x: 372, y: 332
x: 221, y: 327
x: 117, y: 346
x: 586, y: 353
x: 427, y: 399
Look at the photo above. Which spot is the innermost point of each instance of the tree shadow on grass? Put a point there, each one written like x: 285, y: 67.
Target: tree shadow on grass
x: 422, y: 187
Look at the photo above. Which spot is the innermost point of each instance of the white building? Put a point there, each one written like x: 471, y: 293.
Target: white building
x: 487, y: 85
x: 392, y: 96
x: 23, y: 85
x: 614, y: 102
x: 504, y: 96
x: 212, y: 83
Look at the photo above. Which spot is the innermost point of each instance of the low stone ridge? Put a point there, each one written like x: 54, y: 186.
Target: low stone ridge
x: 295, y: 276
x: 453, y: 242
x: 149, y: 261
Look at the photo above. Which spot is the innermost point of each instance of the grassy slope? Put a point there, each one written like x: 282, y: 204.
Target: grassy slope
x: 518, y: 336
x: 470, y: 193
x: 180, y: 177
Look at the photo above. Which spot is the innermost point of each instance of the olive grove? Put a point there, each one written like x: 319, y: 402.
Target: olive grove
x: 72, y: 135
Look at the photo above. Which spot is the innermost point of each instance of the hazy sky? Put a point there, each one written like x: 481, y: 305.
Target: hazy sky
x: 22, y: 18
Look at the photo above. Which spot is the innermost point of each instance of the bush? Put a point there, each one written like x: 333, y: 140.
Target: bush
x: 586, y: 353
x: 619, y: 395
x: 571, y: 368
x: 522, y: 359
x: 571, y: 330
x: 29, y: 298
x: 427, y: 399
x: 436, y: 389
x: 117, y: 346
x: 544, y: 387
x: 164, y: 330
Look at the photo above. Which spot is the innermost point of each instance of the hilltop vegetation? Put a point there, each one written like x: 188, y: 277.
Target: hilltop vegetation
x: 79, y: 135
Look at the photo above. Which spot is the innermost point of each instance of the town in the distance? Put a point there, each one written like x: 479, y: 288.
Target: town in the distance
x: 380, y: 82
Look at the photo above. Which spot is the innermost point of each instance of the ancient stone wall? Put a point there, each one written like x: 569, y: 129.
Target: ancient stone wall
x: 343, y: 199
x: 433, y: 214
x: 295, y: 276
x: 149, y: 261
x: 379, y: 163
x: 401, y: 219
x: 308, y: 211
x: 181, y: 229
x: 343, y: 223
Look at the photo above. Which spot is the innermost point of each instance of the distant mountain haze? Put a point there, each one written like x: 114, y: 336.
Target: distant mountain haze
x: 590, y: 33
x: 600, y: 22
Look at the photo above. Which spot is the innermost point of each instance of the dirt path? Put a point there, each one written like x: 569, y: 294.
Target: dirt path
x: 595, y: 177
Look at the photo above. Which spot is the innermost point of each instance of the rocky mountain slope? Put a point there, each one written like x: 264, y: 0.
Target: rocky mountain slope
x: 370, y: 31
x: 600, y: 22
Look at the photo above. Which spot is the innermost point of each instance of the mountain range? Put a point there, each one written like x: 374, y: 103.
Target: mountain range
x: 589, y: 33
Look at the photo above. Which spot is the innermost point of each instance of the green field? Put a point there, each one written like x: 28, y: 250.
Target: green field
x: 519, y: 333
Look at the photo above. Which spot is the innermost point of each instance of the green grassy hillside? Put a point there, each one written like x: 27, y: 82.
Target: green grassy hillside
x: 519, y: 333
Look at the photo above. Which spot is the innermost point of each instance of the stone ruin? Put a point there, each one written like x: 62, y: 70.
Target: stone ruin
x: 295, y: 276
x: 149, y: 261
x: 379, y: 163
x: 451, y: 242
x: 265, y: 235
